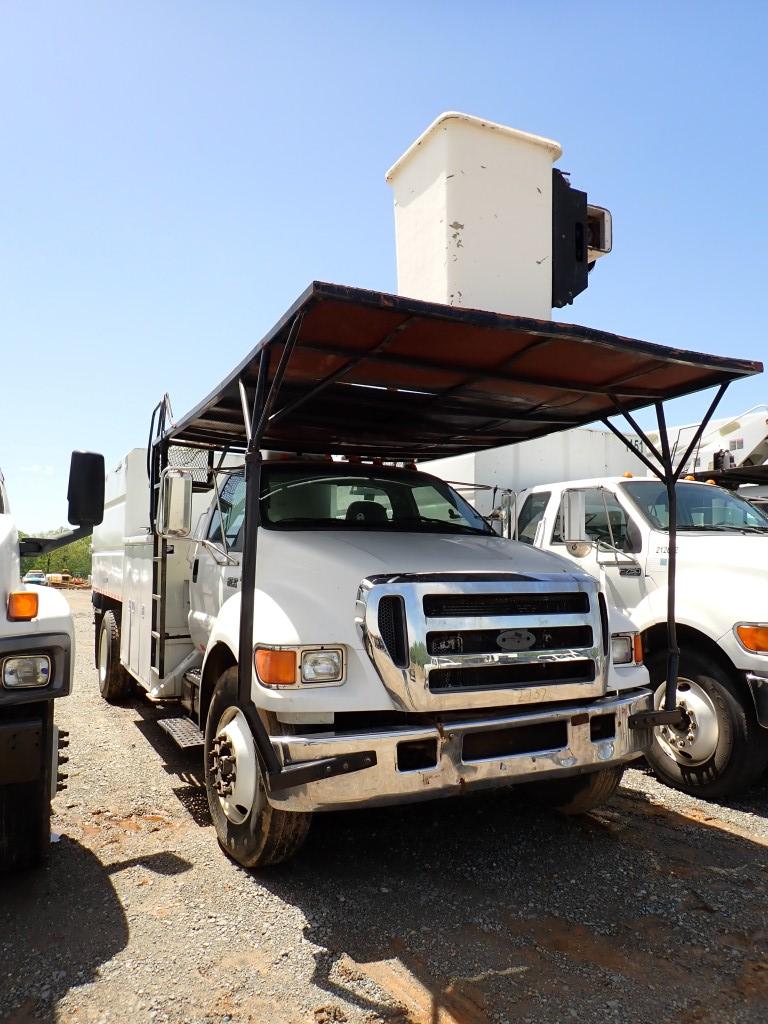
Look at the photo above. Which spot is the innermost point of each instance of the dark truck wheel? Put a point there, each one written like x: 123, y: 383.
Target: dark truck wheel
x: 723, y: 750
x: 25, y: 806
x: 248, y: 828
x: 578, y: 793
x: 114, y: 681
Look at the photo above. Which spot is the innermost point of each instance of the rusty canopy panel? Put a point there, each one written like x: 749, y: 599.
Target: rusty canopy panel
x: 376, y: 374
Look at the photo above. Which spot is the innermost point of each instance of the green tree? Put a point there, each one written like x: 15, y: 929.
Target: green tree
x: 74, y: 558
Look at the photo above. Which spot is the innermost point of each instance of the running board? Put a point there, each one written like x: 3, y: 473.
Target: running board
x: 183, y: 732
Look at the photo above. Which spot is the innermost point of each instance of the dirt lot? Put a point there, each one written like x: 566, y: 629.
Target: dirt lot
x: 473, y: 910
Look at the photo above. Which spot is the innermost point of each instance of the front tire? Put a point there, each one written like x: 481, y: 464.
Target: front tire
x: 723, y: 751
x: 248, y: 828
x: 114, y: 681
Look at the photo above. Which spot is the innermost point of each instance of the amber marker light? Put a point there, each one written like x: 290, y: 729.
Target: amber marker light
x: 637, y: 645
x: 275, y: 668
x: 22, y: 605
x: 754, y: 638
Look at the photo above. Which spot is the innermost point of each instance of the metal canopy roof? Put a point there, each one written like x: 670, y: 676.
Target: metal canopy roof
x: 379, y: 374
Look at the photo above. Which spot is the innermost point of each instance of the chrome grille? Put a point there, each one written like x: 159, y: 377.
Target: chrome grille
x: 581, y: 671
x: 449, y: 606
x: 473, y: 642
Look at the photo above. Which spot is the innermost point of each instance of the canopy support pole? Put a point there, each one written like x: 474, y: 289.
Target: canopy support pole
x: 668, y: 474
x: 277, y: 776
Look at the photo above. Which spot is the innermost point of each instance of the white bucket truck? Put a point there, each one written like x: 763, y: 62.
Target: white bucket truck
x: 36, y: 663
x: 341, y: 629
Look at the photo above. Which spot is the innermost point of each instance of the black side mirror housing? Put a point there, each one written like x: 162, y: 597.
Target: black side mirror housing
x: 85, y: 492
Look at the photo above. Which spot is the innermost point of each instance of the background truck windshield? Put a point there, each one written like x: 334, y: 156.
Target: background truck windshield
x: 312, y: 498
x: 699, y: 507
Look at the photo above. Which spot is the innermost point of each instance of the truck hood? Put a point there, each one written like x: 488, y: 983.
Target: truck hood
x: 307, y: 583
x: 361, y: 554
x: 737, y: 552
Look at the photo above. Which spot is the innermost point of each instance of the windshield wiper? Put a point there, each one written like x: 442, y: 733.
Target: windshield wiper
x: 447, y: 526
x: 724, y: 528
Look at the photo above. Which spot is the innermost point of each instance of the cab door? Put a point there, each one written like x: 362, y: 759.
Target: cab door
x: 615, y: 556
x: 216, y: 565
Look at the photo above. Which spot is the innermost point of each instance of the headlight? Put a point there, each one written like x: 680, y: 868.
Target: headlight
x: 627, y: 649
x: 30, y: 670
x: 325, y: 666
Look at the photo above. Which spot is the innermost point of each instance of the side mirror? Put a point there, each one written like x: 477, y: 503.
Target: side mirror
x: 175, y: 514
x: 574, y: 526
x: 85, y: 492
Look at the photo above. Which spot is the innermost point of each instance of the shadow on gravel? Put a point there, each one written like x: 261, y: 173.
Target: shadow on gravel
x: 486, y: 908
x: 57, y: 926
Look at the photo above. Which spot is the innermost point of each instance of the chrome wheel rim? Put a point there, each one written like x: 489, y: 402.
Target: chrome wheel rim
x: 695, y: 744
x: 233, y: 766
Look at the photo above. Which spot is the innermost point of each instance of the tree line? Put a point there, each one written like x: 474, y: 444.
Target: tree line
x: 74, y: 558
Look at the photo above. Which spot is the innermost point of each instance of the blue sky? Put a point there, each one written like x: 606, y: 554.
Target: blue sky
x: 174, y: 174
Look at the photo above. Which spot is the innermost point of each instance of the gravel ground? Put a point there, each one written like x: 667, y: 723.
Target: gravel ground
x: 466, y: 911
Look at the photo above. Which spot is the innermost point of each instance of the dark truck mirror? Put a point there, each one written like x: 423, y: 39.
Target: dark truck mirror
x: 85, y: 492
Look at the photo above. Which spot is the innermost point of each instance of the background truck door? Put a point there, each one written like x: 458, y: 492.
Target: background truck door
x: 213, y: 581
x: 616, y: 553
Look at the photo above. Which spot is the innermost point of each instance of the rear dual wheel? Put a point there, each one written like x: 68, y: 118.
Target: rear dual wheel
x: 248, y: 828
x: 114, y: 681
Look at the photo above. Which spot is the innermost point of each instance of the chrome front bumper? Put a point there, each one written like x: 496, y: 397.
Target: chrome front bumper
x: 455, y: 772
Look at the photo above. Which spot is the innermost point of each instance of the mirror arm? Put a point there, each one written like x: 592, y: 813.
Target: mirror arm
x: 42, y: 545
x: 221, y: 557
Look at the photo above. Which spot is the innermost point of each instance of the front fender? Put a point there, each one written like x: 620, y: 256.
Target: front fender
x: 362, y: 689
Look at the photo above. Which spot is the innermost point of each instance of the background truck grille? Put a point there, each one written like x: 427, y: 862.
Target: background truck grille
x: 446, y: 606
x: 392, y: 629
x: 522, y: 675
x: 487, y: 641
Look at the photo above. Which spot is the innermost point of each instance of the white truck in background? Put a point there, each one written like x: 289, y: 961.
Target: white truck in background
x: 36, y: 665
x: 722, y: 552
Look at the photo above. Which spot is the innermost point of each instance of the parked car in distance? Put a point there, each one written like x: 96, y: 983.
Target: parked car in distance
x: 36, y: 576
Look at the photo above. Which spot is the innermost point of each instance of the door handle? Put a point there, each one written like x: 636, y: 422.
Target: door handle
x: 195, y: 567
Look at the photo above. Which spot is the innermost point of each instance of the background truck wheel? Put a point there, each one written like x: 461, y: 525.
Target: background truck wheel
x: 579, y: 793
x: 114, y: 681
x: 248, y: 829
x: 724, y: 751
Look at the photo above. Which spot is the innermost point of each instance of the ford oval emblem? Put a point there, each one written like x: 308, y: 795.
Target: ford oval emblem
x: 516, y: 640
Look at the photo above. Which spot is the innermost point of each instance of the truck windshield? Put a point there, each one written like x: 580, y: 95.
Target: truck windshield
x: 699, y: 507
x: 362, y: 498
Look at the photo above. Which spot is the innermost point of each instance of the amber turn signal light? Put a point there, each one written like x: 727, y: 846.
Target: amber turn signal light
x: 754, y: 638
x: 22, y: 605
x: 275, y: 668
x: 637, y: 652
